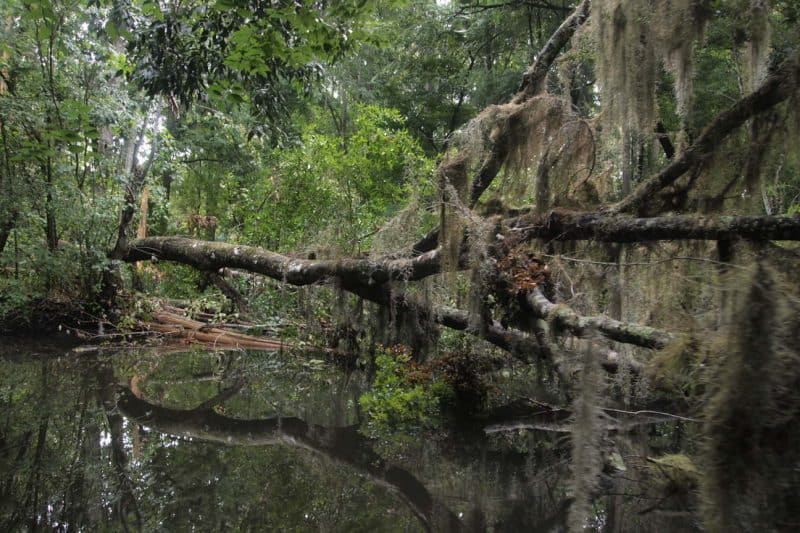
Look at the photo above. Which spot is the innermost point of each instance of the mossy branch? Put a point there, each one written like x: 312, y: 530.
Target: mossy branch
x: 568, y: 226
x: 565, y: 318
x: 364, y: 278
x: 532, y: 85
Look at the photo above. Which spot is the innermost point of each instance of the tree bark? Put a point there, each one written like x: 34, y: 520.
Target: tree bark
x: 563, y: 317
x: 211, y: 256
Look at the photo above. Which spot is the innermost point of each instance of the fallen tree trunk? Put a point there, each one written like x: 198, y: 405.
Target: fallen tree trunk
x: 353, y: 276
x: 212, y: 256
x: 556, y: 225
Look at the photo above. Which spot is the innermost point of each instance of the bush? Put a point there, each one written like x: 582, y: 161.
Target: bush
x: 397, y: 401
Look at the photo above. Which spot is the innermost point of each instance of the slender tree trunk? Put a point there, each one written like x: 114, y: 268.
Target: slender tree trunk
x: 137, y: 179
x: 141, y: 233
x: 6, y: 226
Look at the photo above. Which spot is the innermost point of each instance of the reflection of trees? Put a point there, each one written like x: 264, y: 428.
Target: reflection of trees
x: 125, y: 505
x: 66, y: 436
x: 50, y: 454
x: 341, y: 444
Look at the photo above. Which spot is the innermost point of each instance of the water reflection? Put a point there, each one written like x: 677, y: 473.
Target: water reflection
x: 200, y: 440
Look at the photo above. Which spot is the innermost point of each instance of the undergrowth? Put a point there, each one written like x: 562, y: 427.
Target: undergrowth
x: 399, y: 400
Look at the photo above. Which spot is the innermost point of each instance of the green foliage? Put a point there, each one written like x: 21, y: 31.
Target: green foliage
x: 252, y: 53
x: 394, y: 402
x: 337, y: 191
x: 60, y: 179
x: 439, y: 64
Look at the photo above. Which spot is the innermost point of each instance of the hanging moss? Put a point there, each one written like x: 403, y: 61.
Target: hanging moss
x: 634, y: 37
x: 674, y: 474
x: 677, y: 370
x: 752, y: 458
x: 586, y: 437
x: 758, y: 42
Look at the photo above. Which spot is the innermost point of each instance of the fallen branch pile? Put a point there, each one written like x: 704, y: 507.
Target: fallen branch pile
x: 195, y: 331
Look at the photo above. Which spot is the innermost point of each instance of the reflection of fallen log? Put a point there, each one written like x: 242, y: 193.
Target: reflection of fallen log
x: 343, y: 445
x: 192, y: 330
x: 527, y: 413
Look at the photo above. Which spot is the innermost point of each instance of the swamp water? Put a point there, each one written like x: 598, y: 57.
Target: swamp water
x: 200, y: 440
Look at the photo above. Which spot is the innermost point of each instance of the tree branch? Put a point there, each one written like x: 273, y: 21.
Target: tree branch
x: 563, y: 317
x: 532, y: 84
x: 568, y: 226
x: 534, y: 78
x: 211, y: 256
x: 777, y: 88
x: 364, y: 278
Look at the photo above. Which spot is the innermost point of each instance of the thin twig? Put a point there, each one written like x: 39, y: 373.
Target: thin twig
x: 646, y: 412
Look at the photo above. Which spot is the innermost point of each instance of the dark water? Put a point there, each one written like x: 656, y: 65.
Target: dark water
x: 166, y: 440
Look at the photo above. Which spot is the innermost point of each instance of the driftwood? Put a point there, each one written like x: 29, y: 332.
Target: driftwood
x: 193, y: 330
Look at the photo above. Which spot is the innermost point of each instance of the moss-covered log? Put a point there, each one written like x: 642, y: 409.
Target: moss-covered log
x: 564, y: 317
x: 212, y: 256
x: 363, y: 278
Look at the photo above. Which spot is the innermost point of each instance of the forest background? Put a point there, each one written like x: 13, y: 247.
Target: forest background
x: 610, y: 183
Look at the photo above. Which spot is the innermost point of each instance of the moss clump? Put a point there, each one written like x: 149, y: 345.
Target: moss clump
x: 675, y: 473
x: 678, y: 370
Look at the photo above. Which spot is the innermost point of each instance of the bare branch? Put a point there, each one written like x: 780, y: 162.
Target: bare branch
x: 534, y: 77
